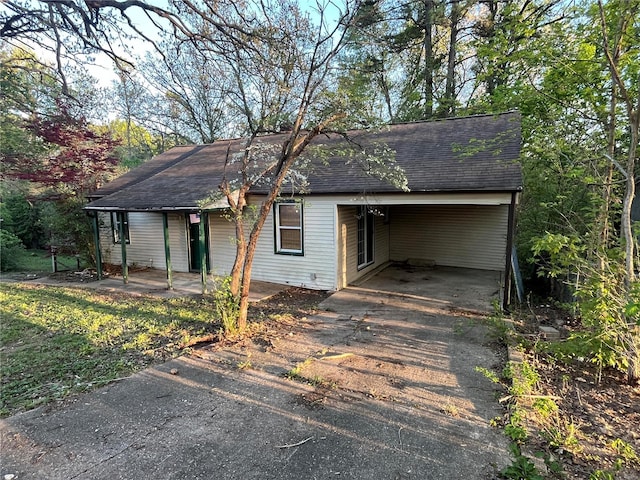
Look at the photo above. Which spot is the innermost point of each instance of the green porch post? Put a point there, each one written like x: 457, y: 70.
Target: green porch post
x: 167, y: 250
x: 96, y: 239
x: 123, y: 247
x: 203, y: 252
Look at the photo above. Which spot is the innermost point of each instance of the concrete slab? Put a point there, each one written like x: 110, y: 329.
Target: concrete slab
x: 154, y: 282
x: 392, y: 394
x: 439, y: 288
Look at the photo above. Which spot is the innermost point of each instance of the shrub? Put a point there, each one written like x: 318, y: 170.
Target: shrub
x: 10, y: 249
x: 227, y: 306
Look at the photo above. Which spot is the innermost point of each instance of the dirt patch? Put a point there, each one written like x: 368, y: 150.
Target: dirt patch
x: 598, y: 415
x: 83, y: 276
x: 603, y: 421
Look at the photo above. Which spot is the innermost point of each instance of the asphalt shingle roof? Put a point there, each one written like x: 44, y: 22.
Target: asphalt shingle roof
x: 477, y: 153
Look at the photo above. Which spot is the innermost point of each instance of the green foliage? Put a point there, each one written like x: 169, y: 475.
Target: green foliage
x: 608, y: 307
x: 137, y: 144
x: 489, y: 374
x: 545, y: 407
x: 563, y: 433
x: 524, y: 377
x: 10, y: 250
x: 515, y: 431
x: 58, y: 341
x: 602, y: 475
x: 521, y: 468
x: 611, y: 337
x: 23, y: 219
x: 626, y: 452
x: 227, y: 306
x: 557, y: 254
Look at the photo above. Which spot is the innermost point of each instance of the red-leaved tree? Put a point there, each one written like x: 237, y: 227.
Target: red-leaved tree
x: 73, y: 158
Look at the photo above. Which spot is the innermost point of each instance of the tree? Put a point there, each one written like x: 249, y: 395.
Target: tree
x: 584, y: 132
x: 76, y: 160
x: 192, y: 91
x: 279, y: 72
x: 137, y: 144
x: 620, y: 32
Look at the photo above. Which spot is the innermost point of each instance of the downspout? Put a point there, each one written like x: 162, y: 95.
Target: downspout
x: 506, y: 298
x: 96, y: 239
x: 167, y: 250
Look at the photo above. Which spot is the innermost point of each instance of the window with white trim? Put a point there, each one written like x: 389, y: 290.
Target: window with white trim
x: 288, y: 226
x: 116, y: 218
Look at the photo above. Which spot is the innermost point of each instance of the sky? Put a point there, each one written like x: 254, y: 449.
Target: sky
x: 101, y: 66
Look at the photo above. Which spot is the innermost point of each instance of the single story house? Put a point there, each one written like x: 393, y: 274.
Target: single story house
x: 464, y: 181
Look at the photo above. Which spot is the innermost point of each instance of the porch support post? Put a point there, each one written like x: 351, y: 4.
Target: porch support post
x: 203, y: 252
x: 96, y: 240
x: 123, y: 248
x: 506, y: 297
x: 167, y: 250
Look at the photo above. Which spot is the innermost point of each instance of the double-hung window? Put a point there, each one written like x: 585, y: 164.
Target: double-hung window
x: 288, y: 226
x: 118, y: 218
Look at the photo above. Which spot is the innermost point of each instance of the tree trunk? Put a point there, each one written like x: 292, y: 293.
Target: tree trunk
x: 428, y: 58
x: 250, y: 252
x: 241, y: 253
x: 629, y: 194
x: 449, y: 94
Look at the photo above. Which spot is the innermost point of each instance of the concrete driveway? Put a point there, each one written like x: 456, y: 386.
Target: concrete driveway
x: 381, y: 385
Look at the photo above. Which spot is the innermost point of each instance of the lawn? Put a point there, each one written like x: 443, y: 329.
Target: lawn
x: 56, y: 341
x: 40, y: 261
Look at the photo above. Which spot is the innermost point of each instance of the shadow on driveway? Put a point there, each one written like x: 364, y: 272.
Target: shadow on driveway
x: 391, y: 392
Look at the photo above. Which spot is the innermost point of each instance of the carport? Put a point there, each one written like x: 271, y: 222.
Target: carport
x: 472, y: 233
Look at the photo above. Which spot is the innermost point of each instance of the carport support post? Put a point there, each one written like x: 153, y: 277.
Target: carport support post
x: 506, y: 298
x: 167, y: 250
x: 96, y: 240
x: 123, y: 248
x: 203, y: 253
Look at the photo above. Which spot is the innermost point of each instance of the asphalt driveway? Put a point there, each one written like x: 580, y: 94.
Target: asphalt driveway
x: 383, y: 385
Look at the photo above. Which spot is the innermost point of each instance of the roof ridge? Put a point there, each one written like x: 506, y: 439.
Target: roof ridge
x: 447, y: 119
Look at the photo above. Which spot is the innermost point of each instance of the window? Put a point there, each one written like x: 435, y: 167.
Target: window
x: 366, y: 220
x: 116, y: 218
x: 288, y: 220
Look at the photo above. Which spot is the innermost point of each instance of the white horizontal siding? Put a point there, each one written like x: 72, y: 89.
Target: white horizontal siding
x: 348, y: 245
x: 178, y: 242
x: 146, y: 247
x: 470, y: 236
x: 315, y: 269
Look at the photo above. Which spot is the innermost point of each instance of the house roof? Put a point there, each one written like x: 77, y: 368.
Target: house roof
x: 467, y: 154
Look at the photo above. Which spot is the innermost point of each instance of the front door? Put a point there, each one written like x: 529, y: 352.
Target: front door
x: 195, y: 252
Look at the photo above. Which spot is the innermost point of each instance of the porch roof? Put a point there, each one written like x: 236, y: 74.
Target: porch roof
x: 468, y: 154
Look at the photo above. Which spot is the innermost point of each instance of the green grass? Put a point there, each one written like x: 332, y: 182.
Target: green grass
x: 40, y: 261
x: 57, y: 341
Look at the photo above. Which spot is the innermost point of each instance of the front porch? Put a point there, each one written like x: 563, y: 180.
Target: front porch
x: 151, y: 281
